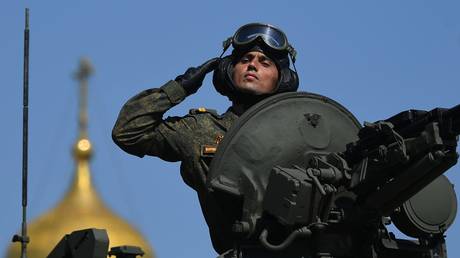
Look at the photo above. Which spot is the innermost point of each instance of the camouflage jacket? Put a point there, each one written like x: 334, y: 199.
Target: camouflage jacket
x: 140, y: 130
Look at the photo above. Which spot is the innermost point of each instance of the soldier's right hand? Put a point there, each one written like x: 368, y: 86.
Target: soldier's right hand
x: 193, y: 78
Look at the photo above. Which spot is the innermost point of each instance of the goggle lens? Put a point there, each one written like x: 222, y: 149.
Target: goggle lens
x: 271, y: 36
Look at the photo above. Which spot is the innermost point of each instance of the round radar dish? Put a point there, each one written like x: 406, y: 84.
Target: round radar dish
x: 430, y: 211
x: 278, y: 131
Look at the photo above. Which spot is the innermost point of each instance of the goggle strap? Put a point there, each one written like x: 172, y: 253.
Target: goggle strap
x: 292, y: 53
x: 226, y: 44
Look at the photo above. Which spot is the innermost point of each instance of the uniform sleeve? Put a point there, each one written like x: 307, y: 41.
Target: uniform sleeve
x: 140, y: 129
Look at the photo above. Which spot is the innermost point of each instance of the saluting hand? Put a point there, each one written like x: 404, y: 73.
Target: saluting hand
x: 193, y: 78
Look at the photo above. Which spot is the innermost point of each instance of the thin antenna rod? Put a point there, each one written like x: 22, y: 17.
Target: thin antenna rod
x: 24, y: 239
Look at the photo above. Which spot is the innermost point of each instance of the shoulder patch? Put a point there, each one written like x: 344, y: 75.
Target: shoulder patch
x: 202, y: 110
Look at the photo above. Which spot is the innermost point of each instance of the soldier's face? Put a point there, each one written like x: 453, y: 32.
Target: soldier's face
x: 255, y: 73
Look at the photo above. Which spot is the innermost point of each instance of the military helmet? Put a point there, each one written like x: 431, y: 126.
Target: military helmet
x: 260, y: 37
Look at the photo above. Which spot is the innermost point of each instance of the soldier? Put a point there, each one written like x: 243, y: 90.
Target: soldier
x: 257, y: 68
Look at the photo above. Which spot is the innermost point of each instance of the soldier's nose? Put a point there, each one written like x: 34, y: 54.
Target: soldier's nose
x: 252, y: 67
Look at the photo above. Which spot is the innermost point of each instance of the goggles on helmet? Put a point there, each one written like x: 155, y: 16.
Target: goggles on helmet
x: 271, y: 36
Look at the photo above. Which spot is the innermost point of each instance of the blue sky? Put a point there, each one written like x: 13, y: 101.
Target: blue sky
x: 374, y: 57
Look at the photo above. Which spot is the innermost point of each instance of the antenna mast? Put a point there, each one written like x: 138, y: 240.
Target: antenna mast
x: 23, y: 238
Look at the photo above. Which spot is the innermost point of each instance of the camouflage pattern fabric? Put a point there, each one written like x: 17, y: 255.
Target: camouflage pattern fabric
x: 140, y: 130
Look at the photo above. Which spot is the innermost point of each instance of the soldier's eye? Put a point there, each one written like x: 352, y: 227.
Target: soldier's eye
x: 244, y: 60
x: 266, y: 64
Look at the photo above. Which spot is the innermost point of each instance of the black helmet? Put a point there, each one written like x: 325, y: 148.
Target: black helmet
x: 260, y: 37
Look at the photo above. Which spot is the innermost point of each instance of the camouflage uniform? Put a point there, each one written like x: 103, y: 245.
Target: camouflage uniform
x: 192, y: 139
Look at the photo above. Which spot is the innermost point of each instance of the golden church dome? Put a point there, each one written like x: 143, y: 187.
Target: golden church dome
x: 81, y: 207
